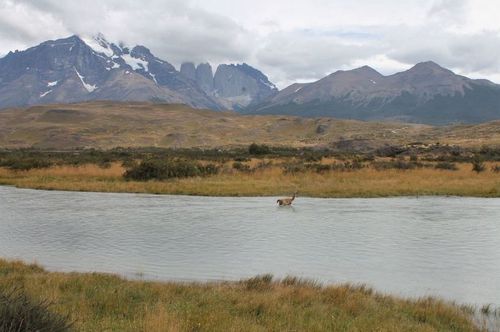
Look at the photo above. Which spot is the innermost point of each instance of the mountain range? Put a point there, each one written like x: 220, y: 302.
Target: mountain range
x: 77, y: 69
x: 426, y: 93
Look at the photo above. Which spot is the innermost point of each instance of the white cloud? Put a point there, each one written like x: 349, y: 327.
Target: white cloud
x: 289, y: 40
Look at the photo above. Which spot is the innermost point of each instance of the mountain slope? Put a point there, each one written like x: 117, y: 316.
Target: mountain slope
x: 80, y: 69
x: 426, y: 93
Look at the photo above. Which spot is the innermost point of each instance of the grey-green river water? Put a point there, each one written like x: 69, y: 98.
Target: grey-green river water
x: 442, y: 246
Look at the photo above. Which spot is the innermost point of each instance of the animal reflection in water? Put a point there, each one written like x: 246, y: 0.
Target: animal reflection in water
x: 286, y: 201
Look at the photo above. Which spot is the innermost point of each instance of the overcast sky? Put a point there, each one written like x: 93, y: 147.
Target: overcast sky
x: 290, y: 41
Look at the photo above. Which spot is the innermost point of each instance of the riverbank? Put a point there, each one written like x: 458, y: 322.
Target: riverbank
x: 99, y: 302
x: 269, y: 181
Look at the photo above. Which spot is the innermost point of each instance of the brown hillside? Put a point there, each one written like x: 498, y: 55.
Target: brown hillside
x: 109, y: 124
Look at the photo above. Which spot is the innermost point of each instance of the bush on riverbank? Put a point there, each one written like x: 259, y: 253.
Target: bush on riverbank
x: 25, y: 164
x: 446, y: 166
x: 168, y: 169
x: 26, y: 159
x: 478, y: 166
x: 258, y: 149
x: 19, y: 312
x: 396, y: 164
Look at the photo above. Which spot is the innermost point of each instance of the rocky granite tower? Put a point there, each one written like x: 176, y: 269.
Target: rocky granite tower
x: 205, y: 77
x: 188, y: 70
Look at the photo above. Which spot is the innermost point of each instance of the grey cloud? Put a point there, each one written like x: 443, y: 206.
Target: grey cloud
x: 468, y: 52
x: 302, y: 56
x: 22, y: 26
x: 173, y: 29
x: 446, y: 11
x: 178, y: 31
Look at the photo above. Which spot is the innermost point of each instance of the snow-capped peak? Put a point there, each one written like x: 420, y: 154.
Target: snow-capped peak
x: 99, y: 37
x: 117, y: 56
x: 136, y: 63
x: 98, y: 44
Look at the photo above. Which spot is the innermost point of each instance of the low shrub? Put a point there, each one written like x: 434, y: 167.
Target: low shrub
x: 258, y: 149
x: 129, y: 163
x: 259, y: 283
x: 395, y: 164
x: 321, y: 168
x: 353, y: 165
x: 25, y: 164
x: 18, y: 312
x: 478, y: 166
x: 168, y: 169
x: 446, y: 166
x: 264, y: 164
x: 347, y: 166
x: 241, y: 167
x: 293, y: 168
x: 495, y: 169
x: 241, y: 159
x: 310, y: 157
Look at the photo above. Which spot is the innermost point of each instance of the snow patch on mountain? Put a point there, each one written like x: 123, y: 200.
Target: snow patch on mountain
x: 154, y: 77
x: 50, y: 84
x: 87, y: 86
x: 269, y: 84
x: 135, y: 63
x: 45, y: 93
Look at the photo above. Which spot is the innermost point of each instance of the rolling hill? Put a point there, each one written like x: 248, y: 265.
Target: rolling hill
x: 108, y: 124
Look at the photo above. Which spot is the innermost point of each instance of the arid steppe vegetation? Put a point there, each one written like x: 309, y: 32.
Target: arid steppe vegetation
x: 260, y: 170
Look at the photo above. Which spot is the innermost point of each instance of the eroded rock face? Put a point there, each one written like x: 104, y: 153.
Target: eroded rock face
x: 234, y: 86
x: 205, y: 77
x: 188, y: 70
x: 232, y: 81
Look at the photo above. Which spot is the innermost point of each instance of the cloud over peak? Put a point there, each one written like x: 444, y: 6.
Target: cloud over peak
x: 290, y: 41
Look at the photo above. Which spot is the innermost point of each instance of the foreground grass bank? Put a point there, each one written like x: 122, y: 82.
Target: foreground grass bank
x: 98, y: 302
x: 270, y: 181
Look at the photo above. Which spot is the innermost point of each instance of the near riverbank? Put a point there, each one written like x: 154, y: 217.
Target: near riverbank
x: 99, y: 302
x: 269, y: 181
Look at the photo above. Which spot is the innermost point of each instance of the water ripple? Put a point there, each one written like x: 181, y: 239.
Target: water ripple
x: 444, y: 246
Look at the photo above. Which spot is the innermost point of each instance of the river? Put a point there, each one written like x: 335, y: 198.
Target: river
x: 409, y: 246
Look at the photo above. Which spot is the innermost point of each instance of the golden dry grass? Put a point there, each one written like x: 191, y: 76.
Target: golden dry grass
x: 98, y: 302
x: 366, y: 182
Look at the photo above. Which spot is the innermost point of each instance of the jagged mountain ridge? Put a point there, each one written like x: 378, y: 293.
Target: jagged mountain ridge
x: 234, y: 86
x: 79, y: 68
x: 426, y: 93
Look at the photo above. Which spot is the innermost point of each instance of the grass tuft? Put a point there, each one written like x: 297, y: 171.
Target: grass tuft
x: 19, y: 312
x: 100, y: 302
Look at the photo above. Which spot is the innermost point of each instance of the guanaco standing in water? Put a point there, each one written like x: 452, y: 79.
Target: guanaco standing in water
x: 286, y: 201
